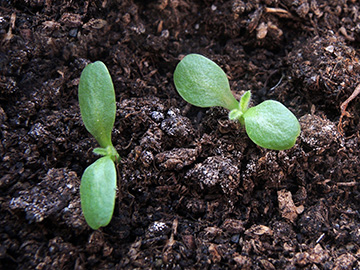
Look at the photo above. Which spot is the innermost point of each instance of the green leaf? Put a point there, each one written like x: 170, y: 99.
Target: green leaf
x: 97, y: 102
x: 109, y: 151
x: 98, y: 192
x: 271, y: 125
x: 203, y: 83
x: 244, y: 101
x: 237, y: 114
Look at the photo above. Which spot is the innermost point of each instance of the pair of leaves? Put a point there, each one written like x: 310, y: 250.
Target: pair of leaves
x: 203, y: 83
x: 98, y: 110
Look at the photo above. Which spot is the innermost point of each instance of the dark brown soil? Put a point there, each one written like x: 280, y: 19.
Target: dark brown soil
x: 194, y: 191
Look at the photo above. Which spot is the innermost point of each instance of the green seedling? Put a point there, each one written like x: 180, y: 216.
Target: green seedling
x: 98, y: 109
x: 203, y: 83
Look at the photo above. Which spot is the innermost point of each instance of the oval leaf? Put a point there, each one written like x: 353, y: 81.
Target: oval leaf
x: 203, y: 83
x: 98, y: 192
x: 97, y: 102
x: 271, y: 125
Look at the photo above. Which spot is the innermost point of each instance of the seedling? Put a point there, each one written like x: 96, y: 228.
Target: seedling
x: 203, y: 83
x: 98, y: 109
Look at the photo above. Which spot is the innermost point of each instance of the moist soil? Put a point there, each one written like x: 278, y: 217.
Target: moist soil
x: 193, y: 191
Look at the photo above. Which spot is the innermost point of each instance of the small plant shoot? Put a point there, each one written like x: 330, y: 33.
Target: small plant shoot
x: 202, y: 83
x: 98, y: 110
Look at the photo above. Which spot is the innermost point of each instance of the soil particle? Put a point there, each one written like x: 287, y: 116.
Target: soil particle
x: 319, y: 133
x: 98, y: 244
x: 316, y: 255
x: 314, y: 220
x: 282, y: 165
x: 326, y: 66
x: 52, y: 194
x: 258, y: 230
x: 216, y: 171
x: 244, y: 262
x: 344, y: 261
x: 233, y: 226
x: 177, y: 127
x: 282, y: 230
x: 176, y: 158
x: 153, y: 140
x: 287, y: 207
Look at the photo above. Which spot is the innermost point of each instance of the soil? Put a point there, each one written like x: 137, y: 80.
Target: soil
x: 194, y: 191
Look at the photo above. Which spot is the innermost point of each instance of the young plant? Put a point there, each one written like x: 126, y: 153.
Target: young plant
x: 98, y: 109
x: 203, y: 83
